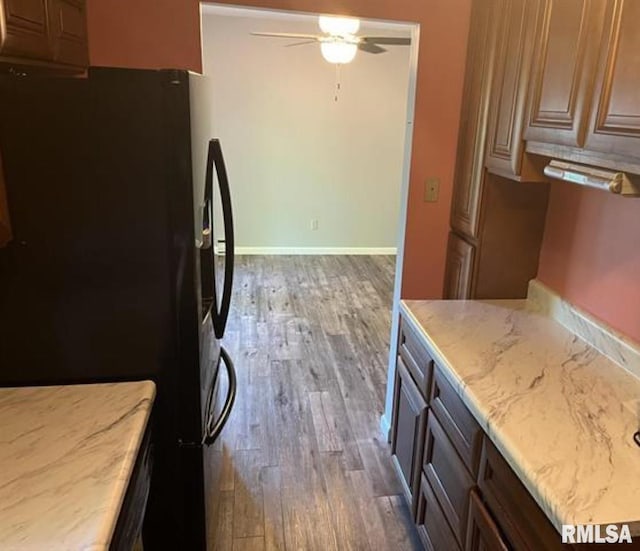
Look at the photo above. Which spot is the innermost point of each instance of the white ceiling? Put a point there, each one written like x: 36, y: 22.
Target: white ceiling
x: 399, y: 28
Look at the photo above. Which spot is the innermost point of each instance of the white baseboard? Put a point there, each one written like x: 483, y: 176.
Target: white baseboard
x: 315, y: 250
x: 385, y: 427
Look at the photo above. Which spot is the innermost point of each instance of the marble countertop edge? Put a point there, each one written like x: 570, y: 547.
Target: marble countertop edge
x: 539, y: 490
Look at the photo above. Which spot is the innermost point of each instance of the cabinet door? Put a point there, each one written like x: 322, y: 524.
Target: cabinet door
x: 482, y: 532
x: 523, y: 523
x: 458, y: 278
x: 5, y: 224
x: 615, y: 122
x: 408, y: 426
x: 563, y: 71
x: 514, y: 51
x: 469, y: 172
x: 448, y: 476
x: 69, y: 32
x: 433, y: 528
x: 24, y: 29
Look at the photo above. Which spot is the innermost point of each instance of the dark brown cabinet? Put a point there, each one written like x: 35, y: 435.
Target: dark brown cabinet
x: 565, y: 59
x: 585, y: 104
x: 407, y: 432
x: 615, y: 122
x: 45, y: 35
x: 433, y: 527
x: 505, y: 156
x: 496, y: 223
x: 447, y: 476
x: 469, y: 173
x: 24, y: 28
x: 462, y: 492
x: 482, y: 532
x: 459, y: 268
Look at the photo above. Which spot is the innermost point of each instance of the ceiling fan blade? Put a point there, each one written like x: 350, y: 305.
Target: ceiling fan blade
x: 300, y: 43
x: 311, y: 37
x: 370, y: 48
x: 389, y: 40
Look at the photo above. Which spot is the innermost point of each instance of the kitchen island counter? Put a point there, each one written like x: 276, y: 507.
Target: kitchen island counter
x: 562, y: 414
x: 66, y: 456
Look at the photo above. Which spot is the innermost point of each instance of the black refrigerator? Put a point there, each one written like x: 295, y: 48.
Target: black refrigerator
x: 112, y: 274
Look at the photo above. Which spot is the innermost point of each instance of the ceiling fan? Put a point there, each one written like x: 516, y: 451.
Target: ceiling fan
x: 339, y: 42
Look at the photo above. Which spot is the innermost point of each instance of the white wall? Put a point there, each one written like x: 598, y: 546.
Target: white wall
x: 293, y: 153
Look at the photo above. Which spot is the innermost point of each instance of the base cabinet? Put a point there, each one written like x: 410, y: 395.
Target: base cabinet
x: 408, y: 431
x: 462, y: 493
x: 482, y: 532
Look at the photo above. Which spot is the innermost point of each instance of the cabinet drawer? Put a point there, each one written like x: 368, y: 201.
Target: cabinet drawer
x: 448, y: 477
x: 407, y: 438
x: 433, y: 529
x: 461, y: 427
x: 482, y: 531
x: 524, y: 524
x: 415, y: 357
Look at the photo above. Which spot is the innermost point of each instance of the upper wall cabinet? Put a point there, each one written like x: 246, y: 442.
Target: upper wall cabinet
x: 585, y: 99
x: 469, y: 173
x: 505, y: 156
x: 46, y: 35
x: 615, y: 116
x: 563, y: 70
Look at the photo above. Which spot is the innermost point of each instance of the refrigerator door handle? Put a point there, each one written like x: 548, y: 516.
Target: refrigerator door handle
x: 220, y: 319
x: 214, y: 429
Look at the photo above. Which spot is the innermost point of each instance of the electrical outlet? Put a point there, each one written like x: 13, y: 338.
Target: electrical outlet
x: 314, y: 224
x: 431, y: 190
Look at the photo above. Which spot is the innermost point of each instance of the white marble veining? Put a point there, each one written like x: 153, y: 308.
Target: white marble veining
x: 66, y: 455
x: 605, y: 339
x: 562, y: 414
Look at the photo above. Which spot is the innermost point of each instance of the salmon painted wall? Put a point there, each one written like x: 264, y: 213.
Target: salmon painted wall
x: 591, y: 254
x: 153, y: 33
x: 144, y: 34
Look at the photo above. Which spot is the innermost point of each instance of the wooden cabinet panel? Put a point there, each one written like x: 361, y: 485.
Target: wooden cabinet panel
x: 465, y: 211
x: 448, y: 476
x: 523, y: 523
x: 5, y: 223
x: 415, y: 357
x: 482, y: 532
x: 615, y: 123
x: 24, y: 28
x: 460, y: 426
x: 69, y: 32
x: 512, y: 230
x: 563, y: 70
x: 407, y: 432
x: 514, y: 51
x: 459, y: 269
x: 434, y: 531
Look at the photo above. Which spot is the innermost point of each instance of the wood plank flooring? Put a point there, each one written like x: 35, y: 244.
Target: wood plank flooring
x: 303, y: 463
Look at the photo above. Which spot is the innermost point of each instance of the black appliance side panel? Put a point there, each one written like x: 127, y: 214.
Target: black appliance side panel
x: 85, y: 285
x: 188, y: 302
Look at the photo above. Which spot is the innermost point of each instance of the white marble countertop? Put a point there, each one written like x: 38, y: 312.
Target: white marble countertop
x: 66, y: 455
x: 562, y: 414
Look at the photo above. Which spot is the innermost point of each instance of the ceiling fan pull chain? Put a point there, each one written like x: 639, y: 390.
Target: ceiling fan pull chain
x: 335, y: 98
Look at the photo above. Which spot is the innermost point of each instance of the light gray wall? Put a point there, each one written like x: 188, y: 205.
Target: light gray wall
x: 293, y: 153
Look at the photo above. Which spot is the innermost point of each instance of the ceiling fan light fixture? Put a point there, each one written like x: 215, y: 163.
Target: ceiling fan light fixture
x: 338, y: 52
x: 338, y: 26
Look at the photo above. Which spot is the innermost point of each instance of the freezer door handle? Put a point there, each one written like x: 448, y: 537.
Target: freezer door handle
x: 214, y: 429
x: 215, y: 154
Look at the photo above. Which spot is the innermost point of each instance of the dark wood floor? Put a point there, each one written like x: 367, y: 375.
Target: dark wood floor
x: 305, y: 466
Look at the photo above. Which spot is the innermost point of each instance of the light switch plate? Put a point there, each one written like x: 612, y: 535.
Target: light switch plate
x: 431, y: 190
